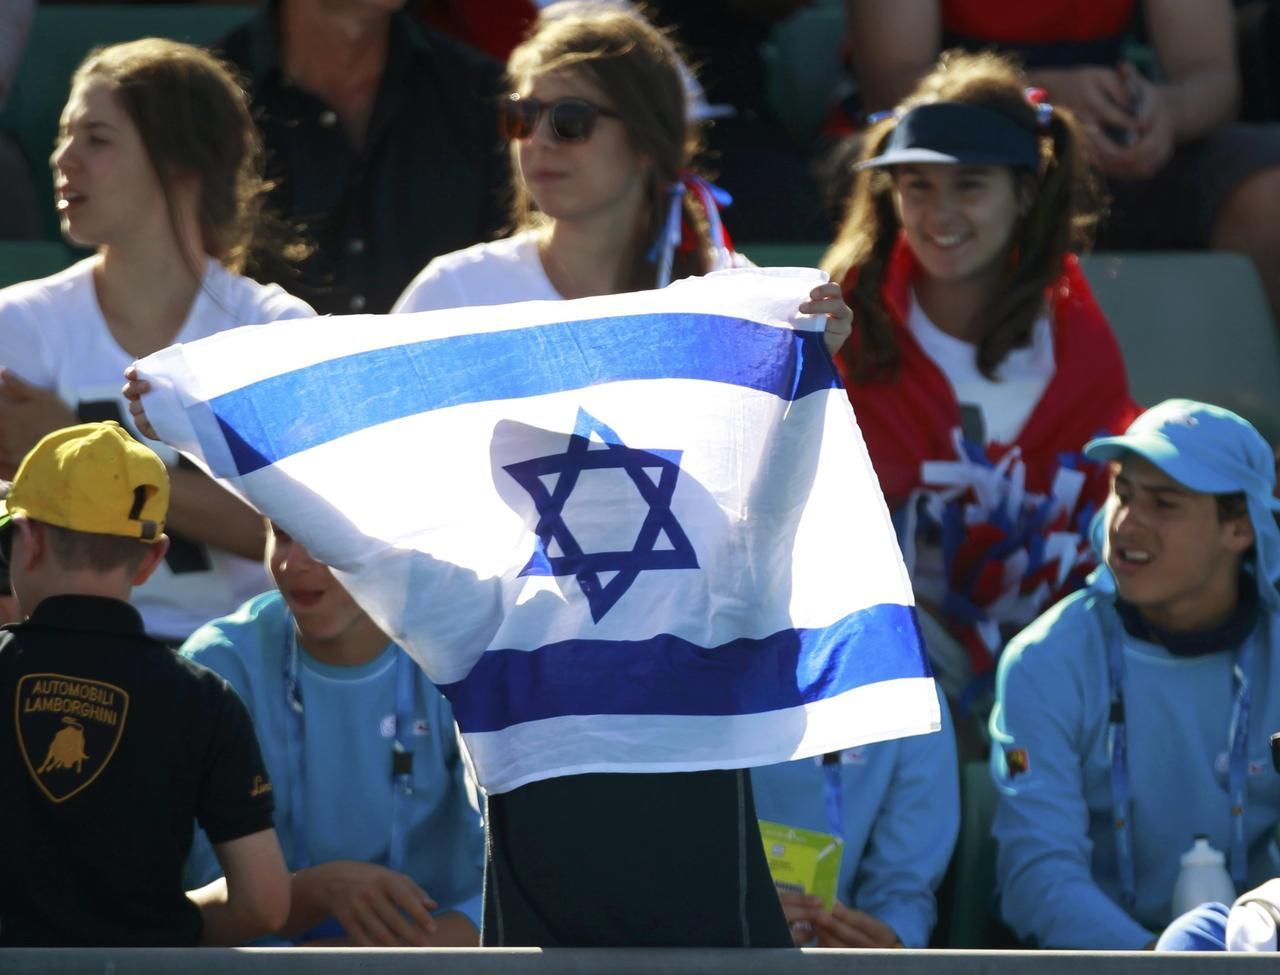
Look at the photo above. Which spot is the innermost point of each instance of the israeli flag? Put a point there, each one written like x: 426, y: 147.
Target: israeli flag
x: 626, y: 534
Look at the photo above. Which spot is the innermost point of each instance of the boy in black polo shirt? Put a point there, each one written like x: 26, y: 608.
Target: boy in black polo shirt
x: 120, y: 745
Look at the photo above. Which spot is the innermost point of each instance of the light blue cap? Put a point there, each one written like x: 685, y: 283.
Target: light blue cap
x: 1212, y: 450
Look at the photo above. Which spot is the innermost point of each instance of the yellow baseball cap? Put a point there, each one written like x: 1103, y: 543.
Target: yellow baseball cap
x: 93, y: 477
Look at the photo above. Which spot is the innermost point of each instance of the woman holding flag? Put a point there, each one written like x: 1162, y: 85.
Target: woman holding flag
x: 606, y: 197
x: 980, y: 362
x: 605, y: 204
x: 606, y: 201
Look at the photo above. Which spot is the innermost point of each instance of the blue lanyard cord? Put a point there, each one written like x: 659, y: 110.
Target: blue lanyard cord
x: 1118, y: 741
x: 402, y: 764
x: 1238, y: 776
x: 296, y: 748
x: 401, y: 757
x: 1238, y: 768
x: 832, y: 794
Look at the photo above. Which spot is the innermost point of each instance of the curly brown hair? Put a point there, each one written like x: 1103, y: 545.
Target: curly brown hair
x: 1059, y: 219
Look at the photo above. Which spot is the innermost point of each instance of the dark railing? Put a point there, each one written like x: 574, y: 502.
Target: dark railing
x: 616, y: 961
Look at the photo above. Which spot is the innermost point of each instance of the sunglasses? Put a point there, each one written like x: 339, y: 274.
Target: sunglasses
x: 572, y: 119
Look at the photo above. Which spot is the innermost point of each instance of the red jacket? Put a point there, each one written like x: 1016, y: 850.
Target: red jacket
x: 910, y: 420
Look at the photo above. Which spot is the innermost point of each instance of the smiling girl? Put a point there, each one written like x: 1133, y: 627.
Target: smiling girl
x: 977, y: 343
x: 157, y: 168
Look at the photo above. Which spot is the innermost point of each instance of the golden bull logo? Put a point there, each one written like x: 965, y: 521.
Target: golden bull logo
x: 66, y: 749
x: 72, y: 725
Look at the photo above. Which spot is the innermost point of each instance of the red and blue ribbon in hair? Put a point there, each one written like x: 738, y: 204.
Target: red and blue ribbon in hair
x: 676, y: 233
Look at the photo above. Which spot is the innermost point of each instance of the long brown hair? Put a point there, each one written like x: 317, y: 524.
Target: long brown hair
x: 637, y: 68
x: 193, y: 119
x: 1059, y: 218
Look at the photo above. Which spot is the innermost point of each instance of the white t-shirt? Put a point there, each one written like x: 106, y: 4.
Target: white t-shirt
x: 1005, y: 405
x: 53, y: 334
x: 1021, y: 380
x: 497, y: 273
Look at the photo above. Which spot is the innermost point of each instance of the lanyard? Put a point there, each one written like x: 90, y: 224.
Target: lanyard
x: 401, y: 756
x: 832, y: 793
x: 1238, y: 767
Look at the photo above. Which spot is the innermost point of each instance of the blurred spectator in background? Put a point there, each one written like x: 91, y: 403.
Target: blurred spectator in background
x: 1181, y: 172
x: 775, y: 196
x: 495, y: 26
x: 980, y: 363
x: 158, y: 167
x: 1258, y: 43
x: 382, y: 141
x: 19, y: 215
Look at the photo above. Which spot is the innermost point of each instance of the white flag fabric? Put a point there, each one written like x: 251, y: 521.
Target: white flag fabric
x: 631, y: 534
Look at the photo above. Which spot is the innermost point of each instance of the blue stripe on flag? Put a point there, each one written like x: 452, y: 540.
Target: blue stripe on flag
x: 274, y: 418
x: 669, y: 675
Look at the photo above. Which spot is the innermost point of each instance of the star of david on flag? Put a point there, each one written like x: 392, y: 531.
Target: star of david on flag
x: 636, y: 533
x: 623, y: 566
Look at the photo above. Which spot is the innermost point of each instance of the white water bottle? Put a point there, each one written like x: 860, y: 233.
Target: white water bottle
x: 1203, y: 878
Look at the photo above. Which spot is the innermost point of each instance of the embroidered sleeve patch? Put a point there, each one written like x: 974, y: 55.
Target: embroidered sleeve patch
x: 68, y: 730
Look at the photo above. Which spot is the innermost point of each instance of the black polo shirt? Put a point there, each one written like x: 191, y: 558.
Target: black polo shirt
x: 118, y: 747
x: 431, y: 178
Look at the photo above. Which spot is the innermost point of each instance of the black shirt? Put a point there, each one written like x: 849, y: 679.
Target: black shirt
x: 431, y: 178
x: 609, y: 860
x: 120, y: 746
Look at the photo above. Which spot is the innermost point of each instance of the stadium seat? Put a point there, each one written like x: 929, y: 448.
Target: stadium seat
x: 785, y: 255
x: 1195, y: 325
x: 22, y: 260
x: 971, y: 917
x: 61, y: 35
